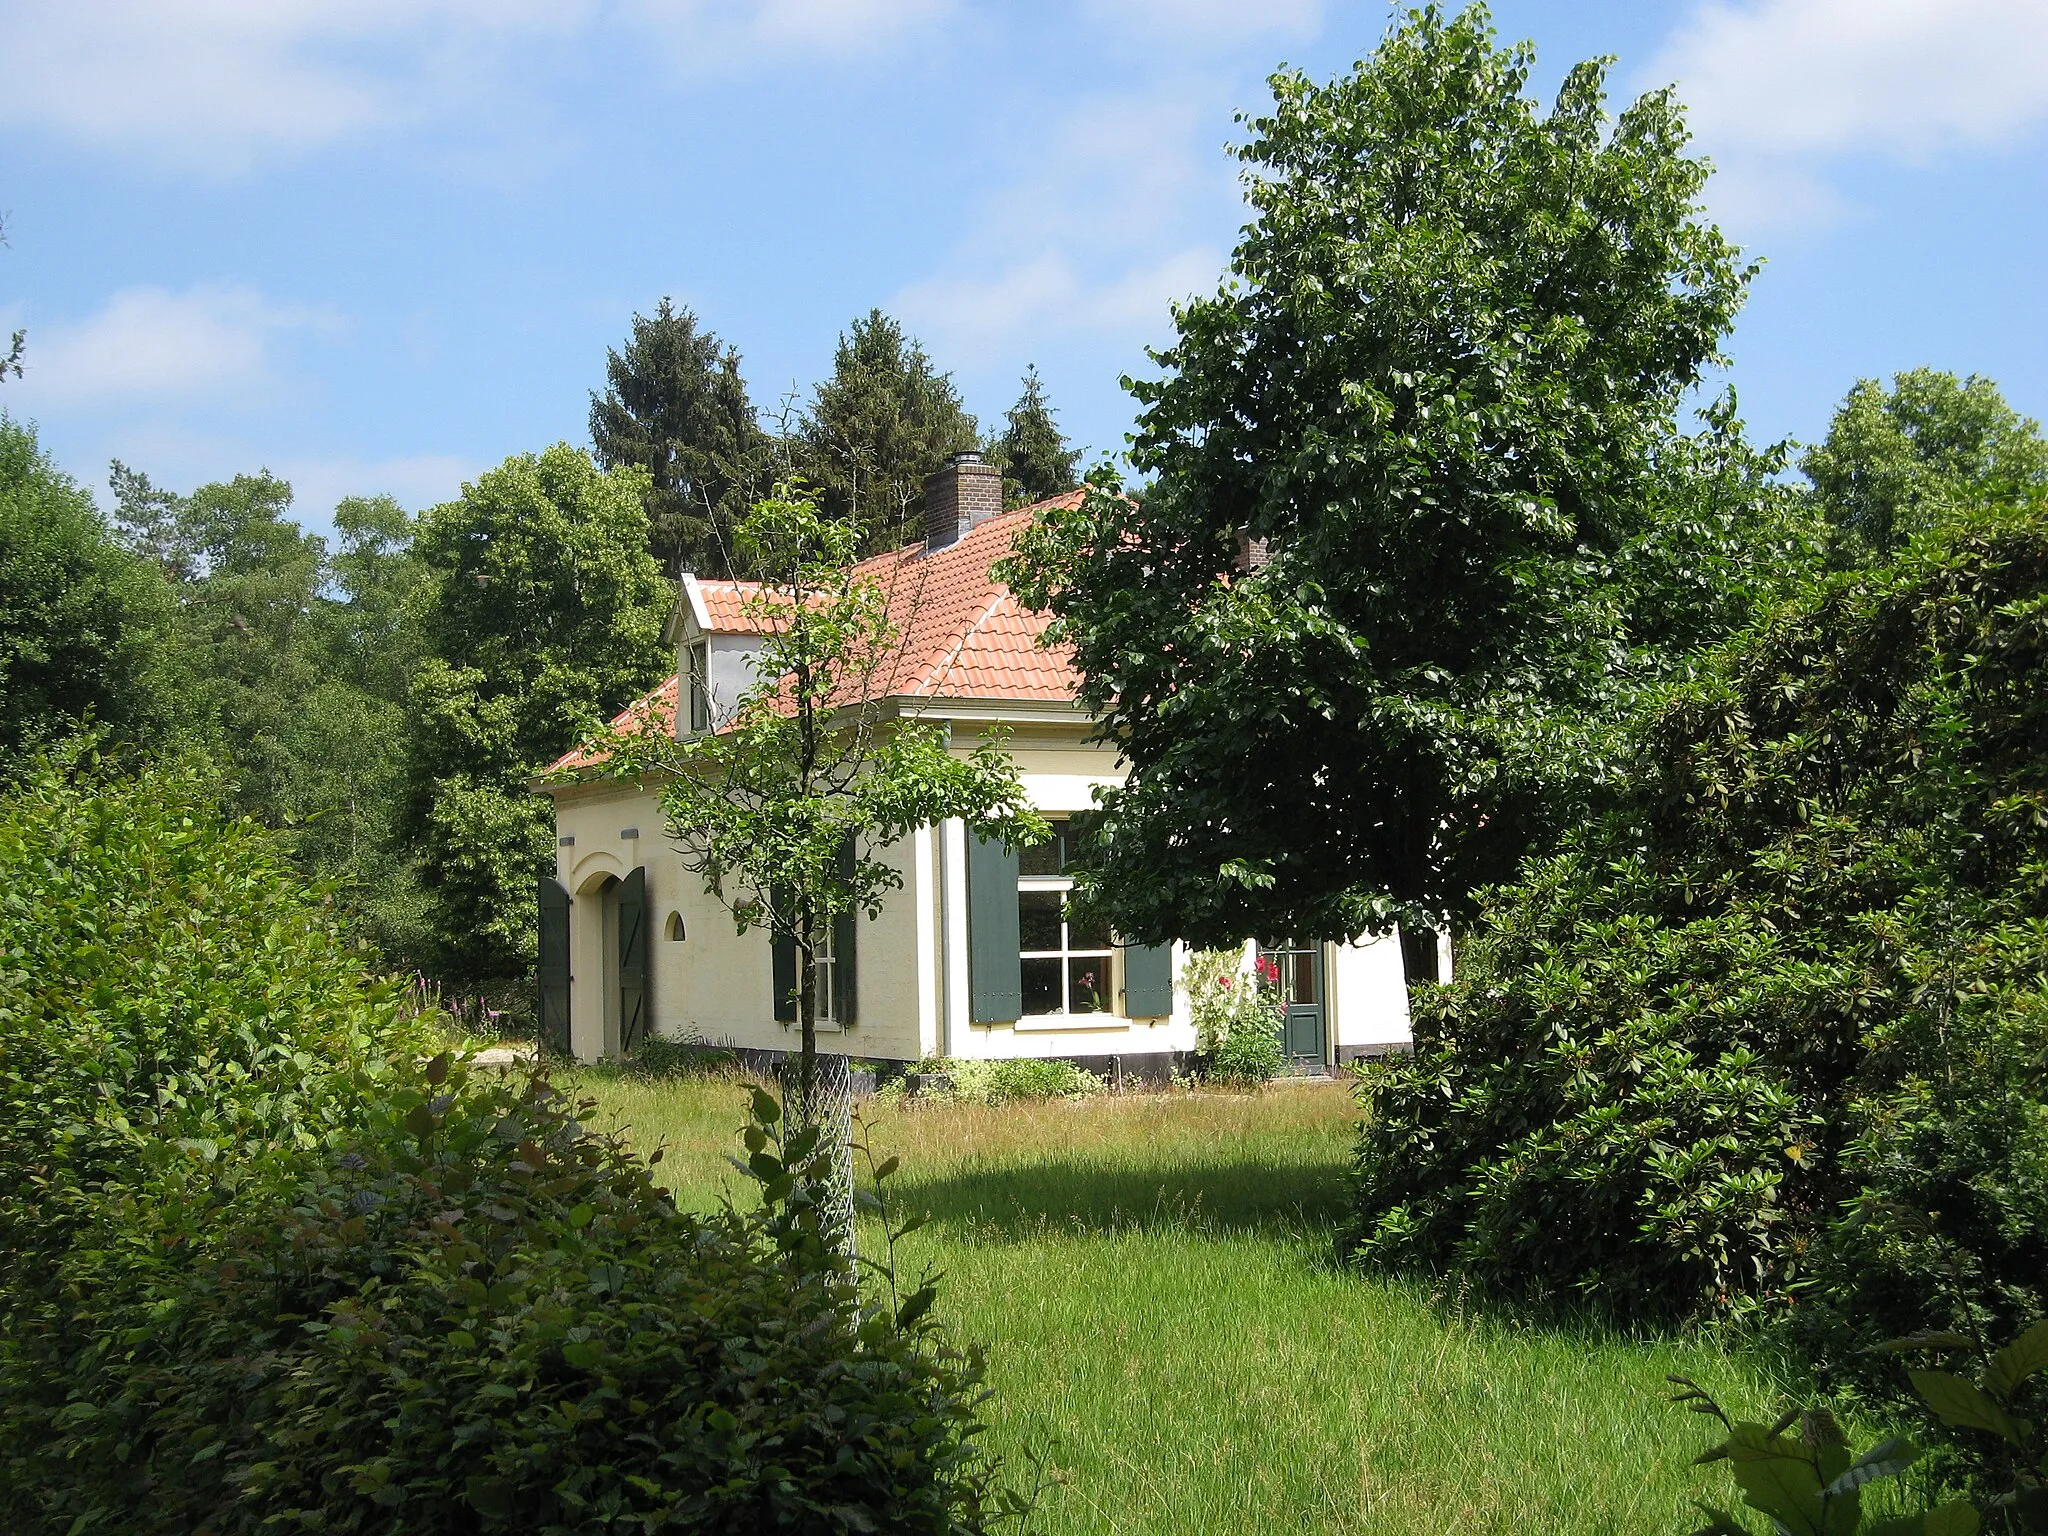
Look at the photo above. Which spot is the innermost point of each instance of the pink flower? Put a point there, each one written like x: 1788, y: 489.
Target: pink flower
x: 1223, y: 982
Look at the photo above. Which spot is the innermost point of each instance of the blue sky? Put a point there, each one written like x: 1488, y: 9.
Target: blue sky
x: 377, y: 245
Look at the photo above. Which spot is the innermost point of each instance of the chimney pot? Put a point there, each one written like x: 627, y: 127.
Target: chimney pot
x: 960, y: 497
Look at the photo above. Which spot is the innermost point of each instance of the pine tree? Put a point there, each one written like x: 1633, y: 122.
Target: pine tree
x: 882, y: 423
x: 678, y: 408
x: 1032, y: 451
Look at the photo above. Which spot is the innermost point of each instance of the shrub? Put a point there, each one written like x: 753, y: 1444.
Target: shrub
x: 298, y: 1278
x: 1237, y: 1016
x: 174, y: 1001
x: 1777, y: 1029
x: 1001, y: 1082
x: 483, y: 1317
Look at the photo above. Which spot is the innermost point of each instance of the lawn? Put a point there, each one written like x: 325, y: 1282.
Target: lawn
x: 1151, y: 1278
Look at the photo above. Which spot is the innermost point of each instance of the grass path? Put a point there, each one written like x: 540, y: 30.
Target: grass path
x: 1151, y: 1279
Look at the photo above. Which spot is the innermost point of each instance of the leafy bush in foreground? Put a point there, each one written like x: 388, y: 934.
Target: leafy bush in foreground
x: 298, y: 1278
x: 1778, y: 1028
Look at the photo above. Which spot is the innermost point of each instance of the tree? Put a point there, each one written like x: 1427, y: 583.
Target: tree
x: 1032, y: 451
x: 1900, y: 460
x: 1416, y: 491
x: 11, y: 363
x: 83, y: 622
x: 677, y: 407
x: 541, y: 613
x: 881, y: 424
x: 784, y: 809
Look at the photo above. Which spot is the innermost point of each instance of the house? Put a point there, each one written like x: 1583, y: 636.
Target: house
x: 973, y: 956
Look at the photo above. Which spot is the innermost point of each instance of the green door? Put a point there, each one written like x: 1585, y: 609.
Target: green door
x: 1300, y: 963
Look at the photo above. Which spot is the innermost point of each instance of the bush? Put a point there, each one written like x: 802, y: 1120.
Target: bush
x: 1237, y: 1017
x: 302, y: 1279
x: 1002, y: 1082
x: 1776, y: 1030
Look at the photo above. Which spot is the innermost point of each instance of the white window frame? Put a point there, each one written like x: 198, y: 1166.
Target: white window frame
x: 824, y: 973
x: 697, y: 686
x: 1105, y: 957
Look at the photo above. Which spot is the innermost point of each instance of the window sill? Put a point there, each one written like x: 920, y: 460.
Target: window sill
x: 1070, y: 1022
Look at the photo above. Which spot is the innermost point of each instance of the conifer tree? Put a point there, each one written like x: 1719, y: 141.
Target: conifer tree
x: 1032, y: 451
x: 677, y: 407
x: 882, y: 423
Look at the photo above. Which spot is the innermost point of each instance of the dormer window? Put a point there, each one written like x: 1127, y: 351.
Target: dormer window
x: 700, y: 688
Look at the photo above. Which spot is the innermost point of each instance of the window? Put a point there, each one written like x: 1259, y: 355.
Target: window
x: 825, y: 978
x: 1064, y: 964
x: 673, y: 930
x: 700, y: 688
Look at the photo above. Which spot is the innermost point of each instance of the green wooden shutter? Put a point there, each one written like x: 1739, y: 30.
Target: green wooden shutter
x: 553, y: 973
x: 1148, y: 981
x: 845, y: 930
x: 633, y: 969
x: 782, y: 969
x: 995, y: 981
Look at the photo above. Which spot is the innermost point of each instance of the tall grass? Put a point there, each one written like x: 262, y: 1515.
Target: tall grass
x: 1152, y: 1279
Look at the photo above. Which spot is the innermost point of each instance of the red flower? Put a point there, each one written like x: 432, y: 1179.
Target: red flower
x: 1223, y: 982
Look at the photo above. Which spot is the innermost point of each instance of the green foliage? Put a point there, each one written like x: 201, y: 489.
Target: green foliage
x: 676, y: 406
x: 292, y: 662
x: 263, y: 1266
x: 784, y: 809
x: 1010, y: 1081
x: 178, y: 1014
x: 541, y: 612
x: 877, y: 428
x: 1809, y: 1486
x: 1031, y: 451
x: 1775, y: 1029
x: 1440, y: 388
x: 1237, y: 1016
x: 1897, y: 462
x: 82, y: 621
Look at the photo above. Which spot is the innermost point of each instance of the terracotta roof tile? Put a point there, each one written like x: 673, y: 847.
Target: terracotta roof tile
x: 963, y: 635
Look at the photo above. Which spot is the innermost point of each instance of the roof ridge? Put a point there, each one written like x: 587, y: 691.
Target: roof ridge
x: 951, y: 658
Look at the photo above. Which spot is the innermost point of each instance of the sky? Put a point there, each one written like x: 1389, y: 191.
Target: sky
x: 376, y: 246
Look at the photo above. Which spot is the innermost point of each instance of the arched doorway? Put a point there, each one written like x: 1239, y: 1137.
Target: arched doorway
x: 594, y: 984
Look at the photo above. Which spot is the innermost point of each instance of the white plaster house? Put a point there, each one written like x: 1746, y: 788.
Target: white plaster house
x: 971, y: 957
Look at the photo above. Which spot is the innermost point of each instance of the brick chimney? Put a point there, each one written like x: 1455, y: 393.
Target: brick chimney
x: 962, y: 496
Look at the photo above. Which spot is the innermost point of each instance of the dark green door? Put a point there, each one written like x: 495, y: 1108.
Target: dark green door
x: 632, y: 962
x: 1300, y: 963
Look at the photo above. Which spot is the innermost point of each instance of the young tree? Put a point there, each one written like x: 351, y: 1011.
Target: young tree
x: 1416, y: 479
x: 541, y: 612
x: 1032, y: 451
x: 1897, y: 461
x: 83, y: 622
x: 878, y: 427
x: 784, y: 808
x: 677, y: 407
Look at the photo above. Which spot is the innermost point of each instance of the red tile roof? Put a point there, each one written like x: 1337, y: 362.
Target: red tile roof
x: 962, y: 634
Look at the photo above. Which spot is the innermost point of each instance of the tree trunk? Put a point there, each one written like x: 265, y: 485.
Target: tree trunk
x: 815, y: 1095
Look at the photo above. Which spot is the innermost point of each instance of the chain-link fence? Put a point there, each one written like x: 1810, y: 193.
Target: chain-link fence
x: 828, y: 1104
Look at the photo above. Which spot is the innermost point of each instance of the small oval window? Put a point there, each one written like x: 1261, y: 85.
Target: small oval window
x: 674, y: 928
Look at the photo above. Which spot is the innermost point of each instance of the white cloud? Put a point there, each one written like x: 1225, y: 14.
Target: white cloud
x: 1047, y: 295
x: 737, y: 31
x: 1207, y: 22
x: 222, y: 85
x: 148, y: 345
x: 1778, y: 88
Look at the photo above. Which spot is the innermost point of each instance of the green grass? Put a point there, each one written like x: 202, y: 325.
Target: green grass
x: 1151, y: 1278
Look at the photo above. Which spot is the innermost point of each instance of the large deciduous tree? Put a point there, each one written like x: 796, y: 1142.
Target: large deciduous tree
x: 676, y: 406
x: 83, y: 622
x: 1032, y: 451
x: 1420, y: 516
x: 541, y: 613
x: 1897, y: 461
x: 883, y: 422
